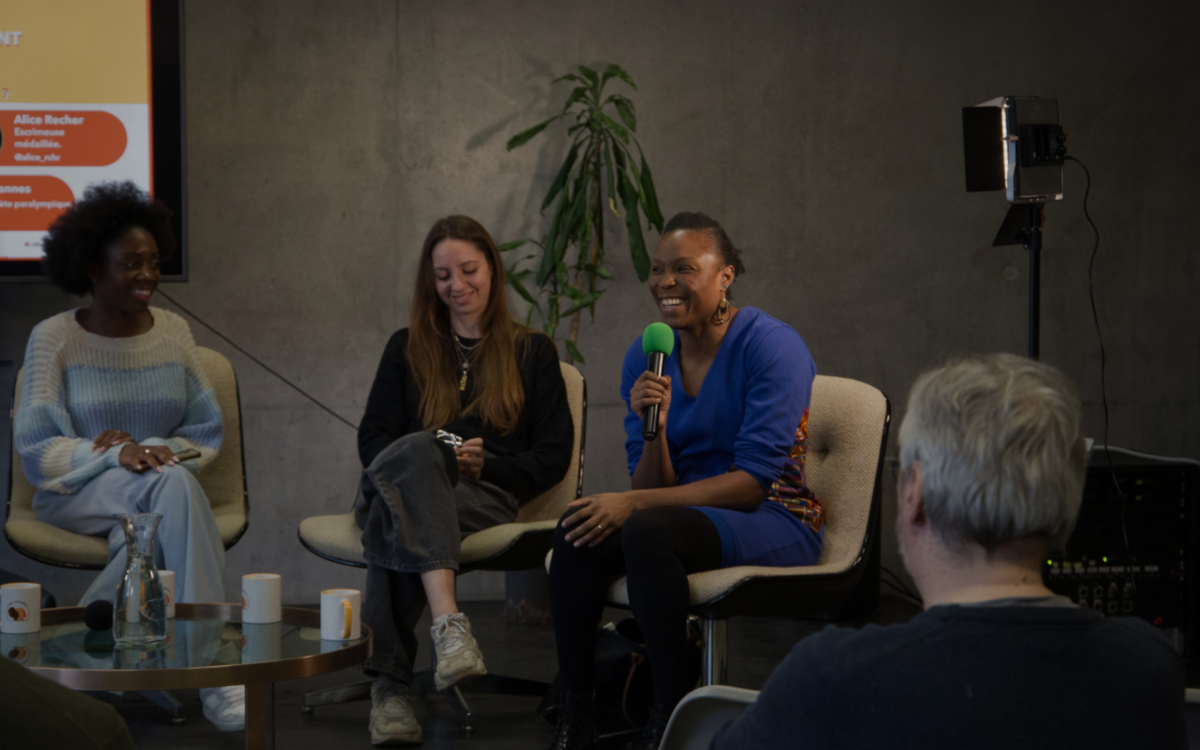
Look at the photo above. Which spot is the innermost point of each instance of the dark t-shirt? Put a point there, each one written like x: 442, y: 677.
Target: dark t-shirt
x: 528, y: 461
x: 973, y: 677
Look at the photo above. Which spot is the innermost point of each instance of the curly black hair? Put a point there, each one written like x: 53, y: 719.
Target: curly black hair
x: 698, y: 222
x: 78, y: 239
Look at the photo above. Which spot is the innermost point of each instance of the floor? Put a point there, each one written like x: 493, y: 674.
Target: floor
x: 755, y: 647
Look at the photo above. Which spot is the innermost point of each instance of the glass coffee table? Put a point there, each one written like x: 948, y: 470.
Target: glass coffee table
x: 207, y: 646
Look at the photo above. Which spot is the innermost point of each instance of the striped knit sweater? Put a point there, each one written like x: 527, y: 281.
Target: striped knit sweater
x: 77, y: 384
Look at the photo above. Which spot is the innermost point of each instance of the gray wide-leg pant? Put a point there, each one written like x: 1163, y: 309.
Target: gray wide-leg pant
x: 188, y: 541
x: 413, y: 520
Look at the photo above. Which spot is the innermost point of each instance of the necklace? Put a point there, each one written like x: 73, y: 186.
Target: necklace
x: 465, y: 354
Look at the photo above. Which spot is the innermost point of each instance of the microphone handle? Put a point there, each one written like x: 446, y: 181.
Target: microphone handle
x: 654, y: 364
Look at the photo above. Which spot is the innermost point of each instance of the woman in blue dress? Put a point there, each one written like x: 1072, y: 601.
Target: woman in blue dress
x: 721, y: 485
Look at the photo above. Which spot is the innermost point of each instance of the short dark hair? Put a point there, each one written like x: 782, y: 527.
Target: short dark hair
x: 698, y: 222
x: 78, y: 238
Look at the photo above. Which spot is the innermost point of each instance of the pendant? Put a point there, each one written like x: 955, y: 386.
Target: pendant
x: 462, y: 382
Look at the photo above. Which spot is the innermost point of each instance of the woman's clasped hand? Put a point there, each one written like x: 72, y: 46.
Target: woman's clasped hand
x: 470, y: 458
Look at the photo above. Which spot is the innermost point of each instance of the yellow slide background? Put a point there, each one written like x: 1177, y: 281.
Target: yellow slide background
x: 76, y: 51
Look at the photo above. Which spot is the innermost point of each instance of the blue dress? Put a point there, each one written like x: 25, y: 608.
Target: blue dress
x: 751, y: 415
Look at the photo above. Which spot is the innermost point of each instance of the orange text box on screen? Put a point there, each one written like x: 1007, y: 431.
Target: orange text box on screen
x: 76, y: 138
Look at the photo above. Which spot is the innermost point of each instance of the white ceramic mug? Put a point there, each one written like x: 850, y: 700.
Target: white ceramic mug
x: 340, y: 614
x: 168, y: 583
x: 20, y: 608
x: 260, y: 597
x: 261, y: 641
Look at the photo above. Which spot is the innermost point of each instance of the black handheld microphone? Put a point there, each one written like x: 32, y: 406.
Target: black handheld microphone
x: 657, y: 343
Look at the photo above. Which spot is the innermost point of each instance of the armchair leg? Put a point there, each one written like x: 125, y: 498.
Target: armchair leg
x: 715, y: 654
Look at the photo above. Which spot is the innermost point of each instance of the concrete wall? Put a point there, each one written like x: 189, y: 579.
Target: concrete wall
x: 325, y: 137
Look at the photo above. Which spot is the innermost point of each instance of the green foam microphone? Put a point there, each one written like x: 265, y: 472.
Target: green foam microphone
x: 658, y: 341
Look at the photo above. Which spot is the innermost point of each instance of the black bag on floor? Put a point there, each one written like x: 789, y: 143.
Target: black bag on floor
x: 624, y: 687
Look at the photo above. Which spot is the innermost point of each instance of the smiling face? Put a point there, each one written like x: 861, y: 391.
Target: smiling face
x: 462, y: 277
x: 687, y: 276
x: 129, y: 273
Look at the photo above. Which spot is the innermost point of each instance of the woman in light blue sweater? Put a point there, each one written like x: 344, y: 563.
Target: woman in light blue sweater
x: 112, y: 394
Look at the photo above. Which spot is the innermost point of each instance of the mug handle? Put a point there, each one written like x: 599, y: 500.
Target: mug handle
x: 347, y: 609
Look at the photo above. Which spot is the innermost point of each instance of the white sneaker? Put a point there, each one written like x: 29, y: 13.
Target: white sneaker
x: 225, y: 707
x: 457, y: 653
x: 392, y: 720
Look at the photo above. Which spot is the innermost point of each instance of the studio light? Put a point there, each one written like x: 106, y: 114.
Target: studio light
x: 1015, y: 144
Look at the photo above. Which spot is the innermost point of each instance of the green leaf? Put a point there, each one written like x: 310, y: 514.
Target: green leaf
x: 602, y: 272
x: 520, y: 139
x: 621, y: 132
x: 616, y: 71
x: 570, y: 345
x: 572, y: 292
x: 625, y: 110
x: 567, y: 77
x: 612, y: 183
x: 561, y: 178
x: 515, y: 283
x: 649, y: 196
x: 511, y: 245
x: 591, y: 75
x: 560, y: 275
x: 546, y: 267
x: 637, y: 244
x: 585, y: 301
x: 551, y: 316
x: 579, y: 94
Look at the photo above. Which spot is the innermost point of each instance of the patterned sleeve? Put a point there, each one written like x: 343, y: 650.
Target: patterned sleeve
x: 53, y: 456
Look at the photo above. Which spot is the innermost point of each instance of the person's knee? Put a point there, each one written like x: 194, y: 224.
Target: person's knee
x: 645, y: 532
x: 173, y: 488
x: 418, y: 449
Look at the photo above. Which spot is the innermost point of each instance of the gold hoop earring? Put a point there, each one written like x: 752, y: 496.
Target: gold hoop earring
x: 721, y: 316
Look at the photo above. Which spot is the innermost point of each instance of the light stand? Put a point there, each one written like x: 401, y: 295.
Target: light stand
x: 1023, y: 226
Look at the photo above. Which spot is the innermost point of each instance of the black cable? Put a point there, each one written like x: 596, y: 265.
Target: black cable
x: 1103, y: 362
x: 259, y: 362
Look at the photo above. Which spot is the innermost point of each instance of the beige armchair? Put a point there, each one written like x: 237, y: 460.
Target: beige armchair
x: 223, y: 480
x: 847, y: 435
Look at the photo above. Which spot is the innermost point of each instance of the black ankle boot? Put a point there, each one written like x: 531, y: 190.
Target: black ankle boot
x: 656, y: 727
x: 575, y: 729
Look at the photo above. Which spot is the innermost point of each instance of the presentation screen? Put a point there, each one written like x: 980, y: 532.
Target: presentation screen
x: 90, y: 91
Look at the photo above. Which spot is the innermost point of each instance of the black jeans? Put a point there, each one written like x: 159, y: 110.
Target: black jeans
x: 414, y: 520
x: 656, y: 549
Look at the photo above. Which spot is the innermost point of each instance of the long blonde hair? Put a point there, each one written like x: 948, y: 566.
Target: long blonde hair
x: 498, y: 395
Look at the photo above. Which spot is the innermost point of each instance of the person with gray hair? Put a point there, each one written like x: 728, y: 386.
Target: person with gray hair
x: 992, y: 467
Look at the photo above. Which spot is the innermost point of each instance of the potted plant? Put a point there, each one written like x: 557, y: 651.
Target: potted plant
x: 599, y: 169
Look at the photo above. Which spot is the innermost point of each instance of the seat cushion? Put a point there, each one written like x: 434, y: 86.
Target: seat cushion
x: 338, y: 538
x: 335, y: 537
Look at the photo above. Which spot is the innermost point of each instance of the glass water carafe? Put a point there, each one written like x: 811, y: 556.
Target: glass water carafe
x: 140, y: 615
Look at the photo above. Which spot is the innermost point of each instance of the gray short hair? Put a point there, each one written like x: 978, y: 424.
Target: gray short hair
x: 1001, y: 456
